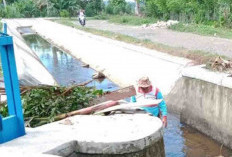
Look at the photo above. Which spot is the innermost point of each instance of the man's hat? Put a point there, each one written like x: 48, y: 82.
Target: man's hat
x: 144, y: 82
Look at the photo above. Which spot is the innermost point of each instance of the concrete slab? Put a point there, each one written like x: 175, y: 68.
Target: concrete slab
x: 117, y: 134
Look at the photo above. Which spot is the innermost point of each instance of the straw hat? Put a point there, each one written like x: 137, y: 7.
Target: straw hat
x: 144, y: 82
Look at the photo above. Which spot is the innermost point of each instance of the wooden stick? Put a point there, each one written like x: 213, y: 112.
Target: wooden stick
x: 84, y: 111
x: 81, y: 84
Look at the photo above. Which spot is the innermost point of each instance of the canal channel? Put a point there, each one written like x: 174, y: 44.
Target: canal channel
x: 180, y: 140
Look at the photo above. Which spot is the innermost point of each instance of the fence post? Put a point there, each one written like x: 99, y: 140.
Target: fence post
x: 4, y: 28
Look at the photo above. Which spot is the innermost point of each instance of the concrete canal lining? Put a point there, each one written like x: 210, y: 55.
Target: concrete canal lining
x: 126, y: 135
x: 203, y: 100
x: 121, y: 62
x: 201, y: 97
x: 30, y: 70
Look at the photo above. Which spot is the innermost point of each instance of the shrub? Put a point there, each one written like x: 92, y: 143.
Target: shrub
x: 27, y: 8
x: 109, y: 9
x: 128, y: 9
x: 64, y: 13
x: 90, y: 10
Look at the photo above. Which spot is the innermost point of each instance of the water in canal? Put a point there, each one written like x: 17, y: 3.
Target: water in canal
x: 64, y: 68
x: 180, y: 140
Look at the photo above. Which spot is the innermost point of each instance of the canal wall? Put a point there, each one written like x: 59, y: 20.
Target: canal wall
x: 201, y: 97
x: 121, y: 62
x: 139, y: 135
x: 30, y: 69
x: 203, y: 100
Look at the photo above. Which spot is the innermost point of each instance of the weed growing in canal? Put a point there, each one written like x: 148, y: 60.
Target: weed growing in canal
x: 42, y: 105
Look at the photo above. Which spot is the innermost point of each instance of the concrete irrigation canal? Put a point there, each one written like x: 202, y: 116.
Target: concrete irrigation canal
x: 187, y: 90
x: 63, y: 67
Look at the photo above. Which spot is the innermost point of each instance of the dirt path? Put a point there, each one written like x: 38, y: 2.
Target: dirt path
x: 168, y: 37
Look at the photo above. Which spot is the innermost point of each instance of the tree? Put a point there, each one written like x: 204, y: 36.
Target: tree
x: 4, y: 3
x: 94, y: 7
x: 118, y: 6
x: 137, y: 7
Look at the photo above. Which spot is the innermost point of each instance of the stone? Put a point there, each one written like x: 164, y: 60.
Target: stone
x: 98, y: 75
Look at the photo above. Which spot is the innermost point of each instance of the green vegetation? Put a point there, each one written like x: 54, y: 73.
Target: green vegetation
x: 49, y: 8
x: 209, y: 12
x: 116, y: 7
x: 131, y: 20
x: 125, y: 19
x: 1, y: 25
x: 43, y: 104
x: 216, y: 13
x: 199, y: 57
x: 203, y: 30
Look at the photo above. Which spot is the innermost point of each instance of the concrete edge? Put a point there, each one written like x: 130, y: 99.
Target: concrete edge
x: 20, y: 47
x: 136, y: 48
x: 201, y: 73
x: 95, y: 67
x: 91, y: 147
x: 116, y: 148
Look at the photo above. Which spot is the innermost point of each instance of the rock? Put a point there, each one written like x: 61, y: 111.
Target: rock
x: 85, y: 65
x: 98, y: 75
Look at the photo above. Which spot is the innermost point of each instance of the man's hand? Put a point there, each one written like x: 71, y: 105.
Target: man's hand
x: 165, y: 123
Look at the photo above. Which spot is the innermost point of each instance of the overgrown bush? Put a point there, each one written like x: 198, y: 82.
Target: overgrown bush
x: 109, y: 9
x: 94, y: 7
x: 128, y: 9
x: 12, y: 11
x: 64, y: 13
x: 32, y: 8
x: 201, y: 11
x: 116, y: 7
x: 27, y: 8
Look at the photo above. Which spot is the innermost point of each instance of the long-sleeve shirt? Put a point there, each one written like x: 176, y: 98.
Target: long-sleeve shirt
x: 161, y: 107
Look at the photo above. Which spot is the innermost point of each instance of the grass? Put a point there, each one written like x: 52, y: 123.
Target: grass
x: 203, y: 30
x: 125, y: 19
x: 131, y: 20
x: 199, y: 57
